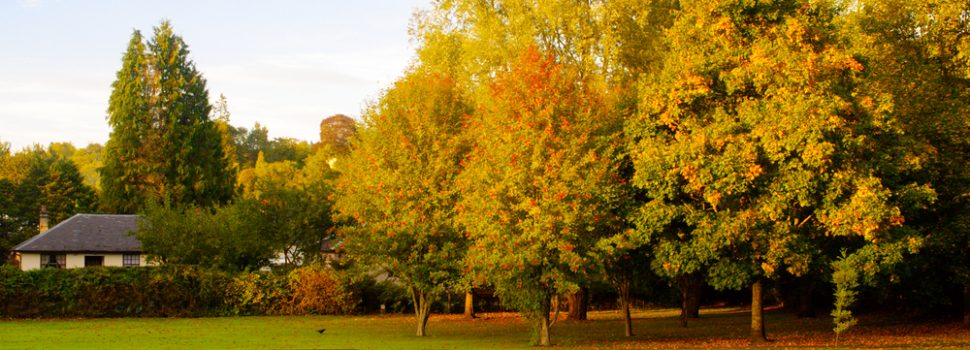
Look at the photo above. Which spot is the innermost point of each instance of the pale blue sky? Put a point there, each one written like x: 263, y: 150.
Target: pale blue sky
x: 285, y: 64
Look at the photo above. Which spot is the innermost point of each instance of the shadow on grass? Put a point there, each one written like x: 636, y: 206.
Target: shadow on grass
x: 654, y: 329
x: 729, y: 328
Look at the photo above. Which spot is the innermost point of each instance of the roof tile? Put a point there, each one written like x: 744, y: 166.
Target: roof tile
x: 87, y: 233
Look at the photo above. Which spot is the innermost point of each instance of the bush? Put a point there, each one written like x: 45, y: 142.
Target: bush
x: 168, y: 291
x: 367, y: 294
x: 318, y: 291
x: 257, y: 293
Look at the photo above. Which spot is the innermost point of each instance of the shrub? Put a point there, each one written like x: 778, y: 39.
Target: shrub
x: 256, y: 293
x: 169, y: 291
x: 367, y: 294
x: 316, y: 290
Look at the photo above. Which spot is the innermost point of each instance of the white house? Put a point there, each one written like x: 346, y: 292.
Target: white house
x: 83, y: 240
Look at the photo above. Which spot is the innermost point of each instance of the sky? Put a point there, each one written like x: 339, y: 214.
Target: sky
x: 284, y: 64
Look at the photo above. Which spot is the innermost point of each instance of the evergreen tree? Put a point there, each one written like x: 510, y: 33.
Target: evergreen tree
x: 33, y: 178
x: 249, y: 143
x: 163, y: 144
x: 220, y: 116
x: 126, y: 164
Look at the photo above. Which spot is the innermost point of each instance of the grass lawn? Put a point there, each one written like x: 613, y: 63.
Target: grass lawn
x: 717, y: 328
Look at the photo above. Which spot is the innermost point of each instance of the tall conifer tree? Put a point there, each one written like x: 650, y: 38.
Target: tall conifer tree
x: 125, y: 165
x: 163, y: 144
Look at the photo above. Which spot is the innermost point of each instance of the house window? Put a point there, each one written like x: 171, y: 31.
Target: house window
x: 93, y: 260
x: 129, y: 260
x: 54, y: 261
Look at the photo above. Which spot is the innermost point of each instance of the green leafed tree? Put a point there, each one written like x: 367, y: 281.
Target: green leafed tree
x: 163, y: 144
x: 220, y: 118
x: 127, y: 164
x: 249, y: 143
x: 228, y: 237
x: 288, y: 149
x: 540, y: 186
x: 88, y: 160
x: 36, y: 177
x: 295, y: 205
x: 919, y: 62
x: 752, y: 144
x: 397, y: 187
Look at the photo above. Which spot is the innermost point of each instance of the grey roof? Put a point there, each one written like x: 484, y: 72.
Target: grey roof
x: 87, y: 233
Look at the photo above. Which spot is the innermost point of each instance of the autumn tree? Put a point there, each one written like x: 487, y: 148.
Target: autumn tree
x: 295, y: 205
x: 163, y: 144
x: 627, y: 266
x: 919, y: 54
x: 539, y: 187
x: 336, y: 131
x: 398, y: 187
x: 749, y: 145
x: 318, y: 217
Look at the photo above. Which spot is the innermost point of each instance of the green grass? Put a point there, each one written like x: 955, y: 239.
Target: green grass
x: 718, y: 328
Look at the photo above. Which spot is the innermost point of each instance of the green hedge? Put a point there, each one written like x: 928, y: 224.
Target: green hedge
x: 169, y: 291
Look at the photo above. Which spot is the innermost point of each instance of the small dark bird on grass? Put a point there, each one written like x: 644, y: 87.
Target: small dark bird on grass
x: 321, y: 330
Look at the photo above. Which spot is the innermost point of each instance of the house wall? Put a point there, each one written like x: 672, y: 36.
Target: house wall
x: 31, y: 261
x: 77, y: 260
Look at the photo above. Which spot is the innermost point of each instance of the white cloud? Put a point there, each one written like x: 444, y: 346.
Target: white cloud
x: 291, y: 93
x: 30, y: 3
x: 69, y: 107
x: 333, y: 57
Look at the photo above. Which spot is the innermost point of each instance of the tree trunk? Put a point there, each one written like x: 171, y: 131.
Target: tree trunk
x: 966, y: 304
x: 554, y: 307
x: 624, y: 291
x: 448, y: 308
x: 544, y: 338
x: 578, y: 304
x: 806, y: 289
x: 422, y: 310
x: 683, y: 302
x: 694, y: 297
x: 469, y: 304
x: 757, y: 314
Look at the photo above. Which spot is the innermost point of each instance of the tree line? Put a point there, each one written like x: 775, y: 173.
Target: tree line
x: 537, y: 147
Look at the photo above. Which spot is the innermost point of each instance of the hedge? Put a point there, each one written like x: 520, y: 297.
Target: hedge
x: 170, y: 291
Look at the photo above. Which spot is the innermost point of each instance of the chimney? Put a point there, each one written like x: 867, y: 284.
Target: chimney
x: 42, y: 226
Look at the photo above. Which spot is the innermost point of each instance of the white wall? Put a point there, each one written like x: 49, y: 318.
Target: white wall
x: 31, y: 261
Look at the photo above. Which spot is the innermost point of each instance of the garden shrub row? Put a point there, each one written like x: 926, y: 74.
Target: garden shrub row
x: 171, y: 291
